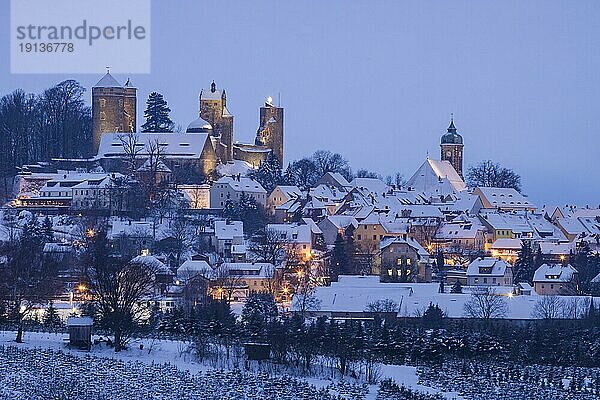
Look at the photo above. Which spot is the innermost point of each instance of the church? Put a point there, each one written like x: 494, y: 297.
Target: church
x: 206, y: 145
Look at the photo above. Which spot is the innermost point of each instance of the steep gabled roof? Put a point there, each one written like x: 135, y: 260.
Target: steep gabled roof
x: 108, y: 81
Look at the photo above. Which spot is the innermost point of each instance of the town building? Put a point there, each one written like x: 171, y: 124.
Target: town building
x: 555, y: 279
x: 232, y: 188
x: 489, y: 271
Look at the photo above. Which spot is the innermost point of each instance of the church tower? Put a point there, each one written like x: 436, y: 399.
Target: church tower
x: 114, y: 108
x: 213, y: 108
x: 451, y: 147
x: 270, y: 130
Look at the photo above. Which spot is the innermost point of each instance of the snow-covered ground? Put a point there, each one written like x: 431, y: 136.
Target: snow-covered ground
x: 178, y: 357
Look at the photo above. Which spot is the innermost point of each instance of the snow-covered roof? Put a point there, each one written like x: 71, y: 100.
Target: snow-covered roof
x: 199, y: 124
x: 436, y: 177
x: 293, y: 232
x: 461, y: 229
x: 503, y: 198
x: 234, y: 167
x: 192, y: 268
x: 80, y: 321
x: 241, y: 184
x: 387, y: 241
x: 373, y: 185
x: 506, y: 243
x: 250, y: 269
x: 154, y: 263
x: 488, y: 266
x: 159, y: 167
x: 557, y: 248
x: 342, y: 221
x: 227, y: 230
x: 181, y: 145
x: 554, y: 273
x: 211, y: 94
x: 108, y: 81
x: 290, y: 191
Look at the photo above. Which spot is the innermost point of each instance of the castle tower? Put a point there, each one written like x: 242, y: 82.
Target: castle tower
x: 213, y: 108
x: 113, y: 108
x: 130, y: 108
x: 270, y: 131
x: 451, y: 147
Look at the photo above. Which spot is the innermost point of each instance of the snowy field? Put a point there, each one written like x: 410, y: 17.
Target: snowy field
x: 44, y: 368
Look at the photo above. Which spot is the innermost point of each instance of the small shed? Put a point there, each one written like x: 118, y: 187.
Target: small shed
x: 80, y: 332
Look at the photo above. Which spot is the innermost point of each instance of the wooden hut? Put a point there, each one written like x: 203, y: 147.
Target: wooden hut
x: 80, y: 332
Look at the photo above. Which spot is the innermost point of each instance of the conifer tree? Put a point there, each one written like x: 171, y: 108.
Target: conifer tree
x: 268, y: 174
x: 157, y: 114
x: 51, y: 317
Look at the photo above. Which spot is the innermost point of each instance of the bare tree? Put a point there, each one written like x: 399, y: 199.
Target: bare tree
x: 268, y: 246
x: 484, y: 303
x: 226, y: 282
x: 491, y: 174
x: 119, y: 287
x: 27, y: 278
x: 383, y: 306
x: 131, y: 150
x: 305, y: 300
x: 548, y: 307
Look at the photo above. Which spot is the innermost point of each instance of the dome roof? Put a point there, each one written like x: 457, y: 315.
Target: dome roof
x: 451, y: 136
x: 199, y: 125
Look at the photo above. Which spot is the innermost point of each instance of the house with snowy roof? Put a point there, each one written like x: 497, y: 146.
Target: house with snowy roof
x: 404, y: 260
x: 299, y: 237
x: 232, y: 188
x: 334, y: 179
x: 281, y: 195
x: 334, y: 225
x: 226, y: 235
x: 555, y: 279
x: 504, y: 199
x: 235, y: 281
x: 489, y: 271
x: 462, y: 232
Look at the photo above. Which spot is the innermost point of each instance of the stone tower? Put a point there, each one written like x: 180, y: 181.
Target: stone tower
x: 451, y: 147
x: 114, y: 108
x: 213, y: 108
x: 130, y: 108
x: 270, y: 130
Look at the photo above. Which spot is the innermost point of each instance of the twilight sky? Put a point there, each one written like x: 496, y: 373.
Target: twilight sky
x: 377, y: 80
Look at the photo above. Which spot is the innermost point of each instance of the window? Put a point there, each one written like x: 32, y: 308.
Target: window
x: 359, y: 237
x: 374, y: 237
x: 408, y: 261
x: 102, y: 103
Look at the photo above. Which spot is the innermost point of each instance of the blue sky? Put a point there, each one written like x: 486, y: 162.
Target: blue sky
x: 377, y: 80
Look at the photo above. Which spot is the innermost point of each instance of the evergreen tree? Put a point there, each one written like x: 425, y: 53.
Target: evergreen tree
x: 339, y: 259
x: 47, y: 230
x: 51, y: 317
x: 247, y: 210
x: 433, y: 316
x: 524, y: 267
x: 268, y: 174
x: 157, y: 114
x: 456, y: 288
x: 259, y: 310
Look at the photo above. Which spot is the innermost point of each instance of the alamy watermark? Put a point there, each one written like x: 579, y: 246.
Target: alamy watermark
x: 80, y: 36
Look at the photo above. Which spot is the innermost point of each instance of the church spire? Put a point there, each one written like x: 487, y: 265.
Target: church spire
x: 452, y: 128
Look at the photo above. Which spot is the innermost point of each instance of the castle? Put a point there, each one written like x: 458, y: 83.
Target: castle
x: 207, y: 142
